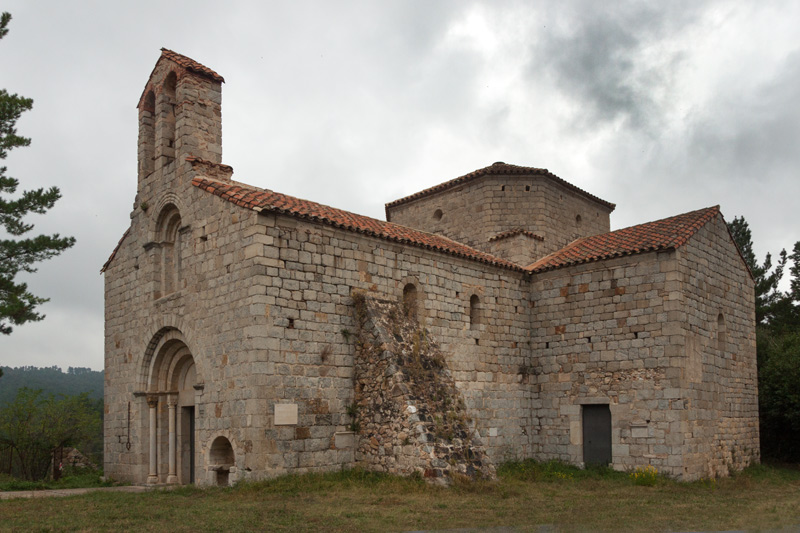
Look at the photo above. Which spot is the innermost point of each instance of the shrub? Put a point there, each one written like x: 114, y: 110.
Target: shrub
x: 646, y: 476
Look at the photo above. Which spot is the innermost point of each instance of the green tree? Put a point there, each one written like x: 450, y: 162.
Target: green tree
x: 777, y: 346
x: 768, y: 297
x: 794, y: 287
x: 17, y: 254
x: 779, y: 393
x: 35, y: 424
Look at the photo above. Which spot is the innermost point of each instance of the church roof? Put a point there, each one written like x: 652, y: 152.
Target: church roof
x: 114, y: 253
x: 264, y: 200
x: 665, y: 234
x: 190, y: 65
x: 186, y: 62
x: 498, y: 169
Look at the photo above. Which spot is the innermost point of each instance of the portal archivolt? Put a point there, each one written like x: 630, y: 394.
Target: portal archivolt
x: 171, y: 383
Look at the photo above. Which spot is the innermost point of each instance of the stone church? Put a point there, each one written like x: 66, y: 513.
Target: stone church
x: 491, y: 317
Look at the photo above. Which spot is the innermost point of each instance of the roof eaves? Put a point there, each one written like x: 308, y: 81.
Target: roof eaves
x: 107, y: 264
x: 561, y: 258
x: 513, y: 233
x: 741, y: 256
x: 269, y: 206
x: 481, y: 257
x: 496, y: 169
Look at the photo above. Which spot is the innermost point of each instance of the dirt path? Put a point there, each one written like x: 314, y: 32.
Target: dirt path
x: 67, y: 492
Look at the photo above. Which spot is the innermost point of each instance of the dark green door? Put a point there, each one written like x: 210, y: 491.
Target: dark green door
x: 191, y: 445
x: 187, y: 445
x: 596, y: 434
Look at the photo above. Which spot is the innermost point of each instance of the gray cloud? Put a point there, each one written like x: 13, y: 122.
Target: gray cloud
x: 354, y: 104
x: 752, y: 135
x: 593, y: 53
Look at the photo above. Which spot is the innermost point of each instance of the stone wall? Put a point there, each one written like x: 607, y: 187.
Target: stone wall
x: 720, y: 379
x: 180, y: 115
x: 245, y: 324
x: 604, y: 333
x: 409, y: 415
x: 480, y: 209
x: 264, y: 308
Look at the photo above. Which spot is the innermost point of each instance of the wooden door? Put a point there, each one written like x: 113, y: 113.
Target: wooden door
x: 596, y: 434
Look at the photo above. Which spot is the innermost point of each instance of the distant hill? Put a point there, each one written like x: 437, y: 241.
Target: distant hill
x: 50, y: 380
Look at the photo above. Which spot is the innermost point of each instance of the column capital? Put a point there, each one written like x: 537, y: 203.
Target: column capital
x: 172, y: 400
x: 152, y: 401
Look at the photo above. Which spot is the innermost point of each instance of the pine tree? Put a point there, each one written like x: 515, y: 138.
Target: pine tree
x: 17, y: 254
x: 794, y: 287
x: 777, y: 346
x: 768, y: 298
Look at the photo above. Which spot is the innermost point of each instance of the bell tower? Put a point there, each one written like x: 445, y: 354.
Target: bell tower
x: 180, y: 117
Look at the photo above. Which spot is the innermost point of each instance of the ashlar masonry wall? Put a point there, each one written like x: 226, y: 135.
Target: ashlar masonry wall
x: 231, y: 341
x: 605, y: 333
x: 720, y: 384
x: 205, y: 314
x: 308, y: 264
x: 475, y: 212
x: 264, y: 308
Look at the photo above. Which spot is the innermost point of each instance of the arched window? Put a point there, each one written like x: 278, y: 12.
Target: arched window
x: 474, y: 312
x: 722, y: 333
x: 147, y: 134
x: 169, y: 236
x: 167, y: 114
x: 410, y: 303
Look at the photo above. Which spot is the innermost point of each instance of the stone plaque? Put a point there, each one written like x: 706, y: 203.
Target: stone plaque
x: 285, y: 414
x: 344, y: 439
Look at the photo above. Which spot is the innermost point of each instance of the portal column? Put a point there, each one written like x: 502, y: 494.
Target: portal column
x: 172, y: 477
x: 152, y: 478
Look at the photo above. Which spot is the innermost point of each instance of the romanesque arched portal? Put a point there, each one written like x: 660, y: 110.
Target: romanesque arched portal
x: 171, y: 383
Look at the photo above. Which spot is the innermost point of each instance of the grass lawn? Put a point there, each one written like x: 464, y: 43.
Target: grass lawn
x: 72, y: 478
x: 526, y: 495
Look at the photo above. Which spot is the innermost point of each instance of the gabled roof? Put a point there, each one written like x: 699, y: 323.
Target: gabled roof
x: 514, y: 232
x: 186, y: 62
x: 497, y: 169
x: 114, y: 253
x: 665, y: 234
x: 190, y: 65
x: 263, y: 200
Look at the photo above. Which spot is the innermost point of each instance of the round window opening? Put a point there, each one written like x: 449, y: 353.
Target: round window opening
x: 437, y: 215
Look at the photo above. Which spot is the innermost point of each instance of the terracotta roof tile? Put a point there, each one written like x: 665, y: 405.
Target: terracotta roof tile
x: 191, y: 65
x: 514, y: 232
x: 665, y: 234
x: 194, y: 161
x: 114, y: 253
x: 497, y: 169
x: 265, y: 200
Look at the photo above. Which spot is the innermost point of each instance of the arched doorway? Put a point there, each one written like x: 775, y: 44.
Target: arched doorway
x: 171, y: 384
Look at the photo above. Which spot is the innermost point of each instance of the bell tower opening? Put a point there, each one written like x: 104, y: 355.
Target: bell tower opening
x: 180, y: 117
x: 166, y: 118
x: 147, y: 134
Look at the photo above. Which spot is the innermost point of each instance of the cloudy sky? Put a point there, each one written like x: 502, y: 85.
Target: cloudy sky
x: 660, y: 107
